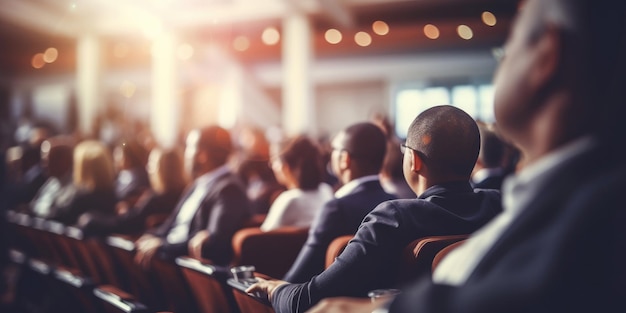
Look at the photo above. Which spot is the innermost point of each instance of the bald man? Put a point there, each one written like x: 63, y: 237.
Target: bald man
x: 560, y: 243
x: 356, y: 159
x: 439, y: 155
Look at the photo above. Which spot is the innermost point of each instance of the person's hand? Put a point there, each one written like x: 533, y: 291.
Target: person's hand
x: 345, y: 305
x: 265, y: 286
x: 121, y: 207
x: 195, y: 244
x: 147, y: 246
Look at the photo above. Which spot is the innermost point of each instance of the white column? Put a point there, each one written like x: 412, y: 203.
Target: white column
x: 164, y: 113
x: 231, y: 97
x: 298, y: 96
x: 88, y: 81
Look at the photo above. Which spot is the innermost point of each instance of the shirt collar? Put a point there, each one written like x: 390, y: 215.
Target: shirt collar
x: 519, y: 189
x: 353, y: 184
x: 457, y: 186
x: 209, y: 177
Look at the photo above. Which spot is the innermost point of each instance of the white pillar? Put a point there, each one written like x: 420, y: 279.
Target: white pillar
x: 164, y: 113
x: 298, y: 96
x: 231, y: 97
x: 88, y: 81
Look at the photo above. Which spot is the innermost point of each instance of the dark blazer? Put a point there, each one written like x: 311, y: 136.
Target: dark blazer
x: 223, y: 211
x: 371, y: 260
x: 131, y: 183
x: 565, y: 252
x: 98, y: 203
x: 149, y: 203
x: 338, y: 217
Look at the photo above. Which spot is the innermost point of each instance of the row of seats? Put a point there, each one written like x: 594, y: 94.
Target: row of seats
x: 99, y: 275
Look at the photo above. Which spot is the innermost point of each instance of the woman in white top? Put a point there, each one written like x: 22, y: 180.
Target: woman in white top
x: 298, y: 166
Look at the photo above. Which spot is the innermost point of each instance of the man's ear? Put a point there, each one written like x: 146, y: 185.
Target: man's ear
x: 344, y: 160
x: 416, y: 162
x: 547, y: 57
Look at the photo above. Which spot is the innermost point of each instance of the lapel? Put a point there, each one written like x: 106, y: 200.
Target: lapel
x: 540, y: 214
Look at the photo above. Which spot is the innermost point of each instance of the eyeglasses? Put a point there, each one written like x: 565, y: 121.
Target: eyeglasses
x: 403, y: 148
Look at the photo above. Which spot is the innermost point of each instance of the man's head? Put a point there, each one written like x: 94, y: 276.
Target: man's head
x: 442, y: 146
x: 562, y: 73
x: 206, y: 149
x: 358, y: 150
x: 57, y: 156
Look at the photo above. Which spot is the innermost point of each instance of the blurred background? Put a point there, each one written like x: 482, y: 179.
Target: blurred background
x: 157, y: 68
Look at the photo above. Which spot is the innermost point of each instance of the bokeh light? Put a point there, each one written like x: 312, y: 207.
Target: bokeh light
x: 241, y: 43
x: 431, y: 31
x: 465, y: 32
x: 363, y: 39
x: 333, y: 36
x: 380, y: 28
x: 50, y: 55
x: 489, y: 18
x: 38, y: 61
x: 270, y: 36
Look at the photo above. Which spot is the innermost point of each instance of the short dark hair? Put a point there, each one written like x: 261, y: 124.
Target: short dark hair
x: 447, y: 140
x: 492, y: 147
x: 216, y: 141
x: 366, y: 144
x: 303, y: 157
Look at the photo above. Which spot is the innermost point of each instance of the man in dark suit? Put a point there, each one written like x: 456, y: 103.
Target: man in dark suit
x: 356, y: 159
x: 560, y: 244
x: 211, y: 209
x: 439, y: 155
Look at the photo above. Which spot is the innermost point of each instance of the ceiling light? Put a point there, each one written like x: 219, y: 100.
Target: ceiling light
x: 363, y: 39
x: 333, y: 36
x: 380, y: 28
x: 431, y: 31
x: 465, y: 32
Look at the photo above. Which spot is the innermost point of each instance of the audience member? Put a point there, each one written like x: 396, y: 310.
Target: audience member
x: 211, y: 209
x: 252, y: 167
x: 165, y: 169
x: 391, y: 174
x: 440, y: 152
x: 297, y: 165
x: 491, y: 167
x: 559, y: 245
x: 132, y: 179
x: 93, y: 177
x: 58, y: 190
x: 357, y: 157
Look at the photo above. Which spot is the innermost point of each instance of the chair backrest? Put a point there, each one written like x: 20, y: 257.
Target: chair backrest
x: 208, y: 285
x: 441, y: 254
x: 336, y: 247
x: 175, y: 288
x: 141, y: 283
x: 418, y: 256
x: 272, y: 253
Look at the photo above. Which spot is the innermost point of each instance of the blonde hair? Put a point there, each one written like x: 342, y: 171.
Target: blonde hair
x: 93, y: 166
x: 169, y: 173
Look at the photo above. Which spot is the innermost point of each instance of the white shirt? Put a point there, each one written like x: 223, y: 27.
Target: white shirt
x: 180, y: 229
x: 517, y: 193
x: 296, y: 207
x: 351, y: 185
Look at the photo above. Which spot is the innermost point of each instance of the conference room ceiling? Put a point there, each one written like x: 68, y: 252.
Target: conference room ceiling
x: 28, y: 27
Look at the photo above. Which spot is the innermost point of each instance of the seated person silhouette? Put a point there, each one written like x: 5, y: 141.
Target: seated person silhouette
x: 439, y: 154
x: 297, y: 165
x: 93, y: 178
x: 57, y: 159
x: 356, y: 159
x: 210, y: 211
x: 559, y: 245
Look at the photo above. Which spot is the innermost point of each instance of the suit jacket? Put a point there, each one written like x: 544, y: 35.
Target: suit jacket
x: 338, y: 217
x: 222, y: 212
x: 565, y: 252
x: 98, y: 203
x: 372, y: 258
x: 131, y: 183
